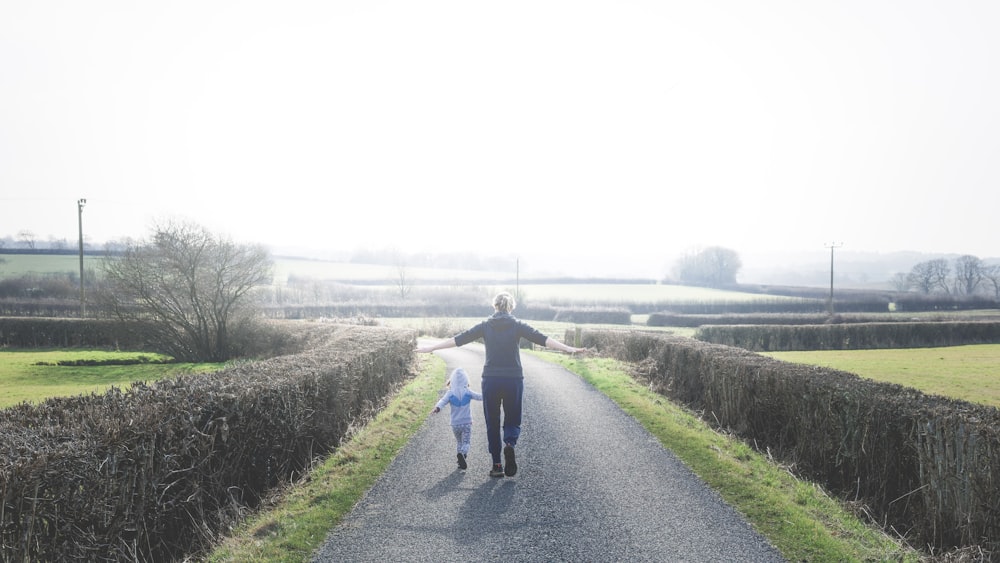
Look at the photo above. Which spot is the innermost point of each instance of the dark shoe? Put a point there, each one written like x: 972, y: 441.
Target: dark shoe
x: 497, y: 470
x: 510, y: 464
x: 461, y: 461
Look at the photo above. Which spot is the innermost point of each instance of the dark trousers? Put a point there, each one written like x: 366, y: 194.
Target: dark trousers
x: 502, y: 393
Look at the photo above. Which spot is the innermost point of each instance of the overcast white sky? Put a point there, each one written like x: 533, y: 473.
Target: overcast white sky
x: 601, y: 128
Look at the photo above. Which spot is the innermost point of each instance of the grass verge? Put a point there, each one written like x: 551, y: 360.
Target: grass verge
x: 803, y: 522
x: 295, y: 527
x: 797, y: 516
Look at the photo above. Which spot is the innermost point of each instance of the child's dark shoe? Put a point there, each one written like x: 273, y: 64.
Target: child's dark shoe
x: 461, y: 461
x: 496, y: 471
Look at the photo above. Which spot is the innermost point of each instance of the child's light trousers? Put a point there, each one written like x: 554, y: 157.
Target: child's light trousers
x: 463, y: 437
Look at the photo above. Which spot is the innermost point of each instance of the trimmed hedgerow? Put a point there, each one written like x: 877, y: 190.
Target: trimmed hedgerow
x: 44, y: 332
x: 675, y: 319
x: 860, y: 336
x: 925, y: 465
x: 157, y: 472
x: 595, y: 315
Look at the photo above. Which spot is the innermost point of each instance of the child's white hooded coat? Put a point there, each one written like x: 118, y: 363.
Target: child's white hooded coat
x: 459, y: 396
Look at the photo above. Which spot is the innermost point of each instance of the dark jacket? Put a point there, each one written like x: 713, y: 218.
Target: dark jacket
x: 502, y: 334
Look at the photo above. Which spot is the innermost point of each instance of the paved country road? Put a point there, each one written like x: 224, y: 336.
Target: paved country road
x: 592, y: 485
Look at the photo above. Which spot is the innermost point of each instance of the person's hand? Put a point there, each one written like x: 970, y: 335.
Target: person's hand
x: 436, y: 410
x: 423, y: 349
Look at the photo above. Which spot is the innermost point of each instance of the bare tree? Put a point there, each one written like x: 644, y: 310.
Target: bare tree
x: 968, y: 274
x: 27, y: 238
x: 58, y: 243
x: 900, y: 281
x: 403, y: 282
x: 992, y: 275
x: 192, y: 286
x: 930, y: 275
x: 113, y: 246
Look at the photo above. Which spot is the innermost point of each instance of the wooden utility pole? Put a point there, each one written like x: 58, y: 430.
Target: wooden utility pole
x: 517, y: 278
x: 79, y: 206
x: 831, y: 246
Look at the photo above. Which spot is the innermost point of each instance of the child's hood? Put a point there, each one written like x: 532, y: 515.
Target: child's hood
x: 459, y: 382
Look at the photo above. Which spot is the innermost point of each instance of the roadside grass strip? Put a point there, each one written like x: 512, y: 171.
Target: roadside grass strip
x: 797, y: 516
x: 803, y: 522
x: 302, y: 515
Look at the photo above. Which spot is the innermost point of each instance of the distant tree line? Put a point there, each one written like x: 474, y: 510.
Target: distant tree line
x: 714, y: 266
x: 967, y: 275
x: 27, y: 240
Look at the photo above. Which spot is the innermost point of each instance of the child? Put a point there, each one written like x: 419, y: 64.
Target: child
x: 459, y: 396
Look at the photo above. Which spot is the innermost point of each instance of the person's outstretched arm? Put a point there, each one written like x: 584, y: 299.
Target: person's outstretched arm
x: 556, y: 345
x: 449, y: 343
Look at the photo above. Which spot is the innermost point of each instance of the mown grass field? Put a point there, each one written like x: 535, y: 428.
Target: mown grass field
x: 969, y: 373
x: 17, y: 265
x: 492, y: 282
x: 14, y: 265
x: 637, y: 293
x: 22, y: 379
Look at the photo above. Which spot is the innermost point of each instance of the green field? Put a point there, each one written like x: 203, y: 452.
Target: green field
x: 15, y: 265
x: 487, y: 281
x: 18, y: 265
x: 637, y: 293
x: 575, y: 292
x: 345, y: 271
x: 970, y: 373
x: 23, y: 379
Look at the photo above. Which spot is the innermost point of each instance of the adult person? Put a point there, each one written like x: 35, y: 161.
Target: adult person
x: 503, y: 377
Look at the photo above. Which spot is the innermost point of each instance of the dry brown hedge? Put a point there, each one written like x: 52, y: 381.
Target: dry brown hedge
x: 157, y: 472
x: 594, y: 315
x: 925, y: 465
x: 694, y: 321
x: 49, y: 332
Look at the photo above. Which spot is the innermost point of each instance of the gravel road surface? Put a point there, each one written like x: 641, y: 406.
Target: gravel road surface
x: 592, y: 485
